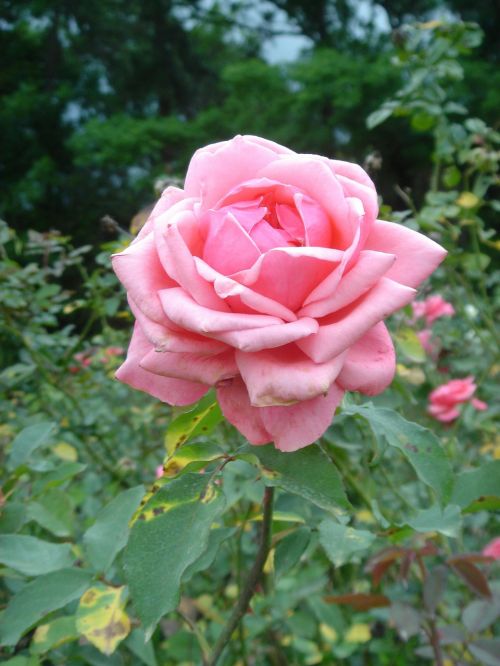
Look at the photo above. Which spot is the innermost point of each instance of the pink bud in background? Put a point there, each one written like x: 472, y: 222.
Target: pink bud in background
x: 445, y: 399
x: 430, y: 347
x: 493, y: 549
x: 432, y: 308
x: 159, y: 472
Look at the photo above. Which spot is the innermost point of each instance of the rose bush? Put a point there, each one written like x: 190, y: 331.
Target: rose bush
x: 268, y: 277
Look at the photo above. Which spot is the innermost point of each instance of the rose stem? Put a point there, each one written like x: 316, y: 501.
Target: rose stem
x: 255, y: 573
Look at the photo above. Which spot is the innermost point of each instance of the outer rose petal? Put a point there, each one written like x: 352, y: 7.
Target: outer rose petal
x: 480, y: 405
x: 269, y: 337
x: 173, y: 391
x: 215, y: 170
x: 285, y: 376
x: 369, y: 268
x: 194, y: 367
x: 186, y: 313
x: 176, y: 240
x: 344, y: 328
x: 140, y: 271
x: 416, y: 255
x: 170, y: 196
x: 302, y: 424
x: 370, y: 364
x: 235, y: 405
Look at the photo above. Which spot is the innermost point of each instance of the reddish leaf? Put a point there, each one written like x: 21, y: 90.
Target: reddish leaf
x: 473, y: 577
x: 379, y: 564
x: 360, y: 602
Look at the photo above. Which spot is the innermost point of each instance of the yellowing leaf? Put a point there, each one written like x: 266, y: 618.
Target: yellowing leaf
x: 328, y: 633
x: 101, y: 617
x: 199, y: 420
x: 65, y: 451
x: 430, y: 25
x: 53, y: 634
x: 358, y: 633
x: 467, y: 200
x: 415, y: 376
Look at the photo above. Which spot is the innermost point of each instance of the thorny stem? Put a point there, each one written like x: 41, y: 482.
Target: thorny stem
x: 249, y: 588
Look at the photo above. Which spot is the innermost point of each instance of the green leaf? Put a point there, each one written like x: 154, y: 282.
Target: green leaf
x: 101, y: 617
x: 342, y: 543
x: 109, y: 533
x: 290, y: 549
x: 420, y: 446
x: 54, y: 512
x: 39, y: 598
x: 12, y: 517
x: 171, y: 532
x: 217, y: 536
x: 480, y: 614
x: 53, y: 634
x: 33, y: 556
x: 200, y: 420
x: 476, y: 484
x: 378, y: 116
x: 307, y: 472
x: 142, y: 649
x: 486, y: 650
x: 22, y: 661
x: 27, y: 441
x: 409, y: 344
x: 447, y: 521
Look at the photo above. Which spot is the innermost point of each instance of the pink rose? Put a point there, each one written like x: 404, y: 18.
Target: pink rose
x: 268, y: 277
x: 493, y: 549
x: 432, y: 308
x: 445, y: 399
x: 429, y: 346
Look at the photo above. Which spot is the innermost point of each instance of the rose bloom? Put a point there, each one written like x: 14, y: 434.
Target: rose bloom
x: 493, y: 549
x: 432, y: 308
x: 268, y: 276
x: 444, y: 400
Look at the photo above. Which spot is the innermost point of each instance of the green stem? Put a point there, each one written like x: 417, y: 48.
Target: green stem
x: 249, y: 588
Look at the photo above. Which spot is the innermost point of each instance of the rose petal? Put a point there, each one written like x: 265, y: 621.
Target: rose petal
x: 186, y: 313
x: 342, y: 329
x: 177, y: 238
x: 173, y: 391
x: 140, y: 271
x: 299, y: 425
x: 317, y: 227
x: 228, y: 247
x: 241, y: 298
x: 269, y: 337
x: 443, y: 414
x: 193, y: 367
x: 235, y: 405
x: 288, y: 275
x: 285, y: 376
x: 216, y: 169
x: 369, y: 268
x: 370, y: 363
x: 416, y: 255
x: 315, y: 178
x: 170, y: 196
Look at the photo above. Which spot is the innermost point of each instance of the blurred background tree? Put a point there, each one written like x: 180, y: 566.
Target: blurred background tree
x: 101, y: 98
